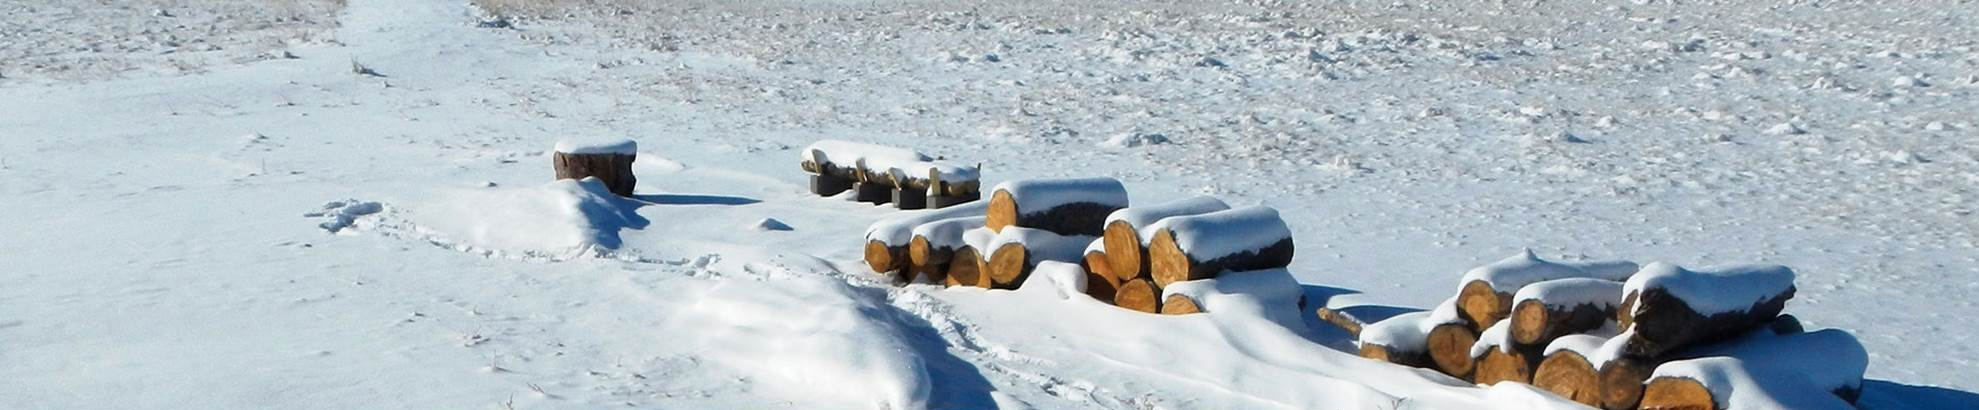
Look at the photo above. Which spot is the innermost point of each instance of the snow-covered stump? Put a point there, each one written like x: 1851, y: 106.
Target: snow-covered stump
x: 1622, y: 376
x: 887, y: 240
x: 1101, y: 284
x: 933, y: 244
x: 1668, y: 307
x: 1569, y: 369
x: 1548, y: 310
x: 607, y: 160
x: 1499, y: 359
x: 1809, y: 371
x: 1073, y: 206
x: 1138, y: 295
x: 1399, y: 340
x: 1123, y: 239
x: 1015, y: 251
x: 1194, y: 247
x: 1485, y: 296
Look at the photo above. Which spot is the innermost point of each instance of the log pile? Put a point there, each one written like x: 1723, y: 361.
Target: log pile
x: 1658, y: 337
x: 881, y: 174
x: 1087, y: 222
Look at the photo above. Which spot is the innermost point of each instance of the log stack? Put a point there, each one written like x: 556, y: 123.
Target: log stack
x: 1486, y: 297
x: 881, y: 174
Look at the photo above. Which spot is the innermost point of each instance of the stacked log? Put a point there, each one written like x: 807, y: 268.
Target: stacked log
x: 1485, y: 294
x: 609, y: 161
x: 1400, y: 340
x: 1201, y: 246
x: 887, y: 240
x: 1500, y: 359
x: 1016, y: 251
x: 1123, y: 239
x: 933, y: 246
x: 1072, y: 206
x: 1672, y: 307
x: 882, y: 174
x: 1765, y: 371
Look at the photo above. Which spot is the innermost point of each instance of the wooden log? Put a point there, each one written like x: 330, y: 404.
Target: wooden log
x: 887, y: 241
x: 1815, y: 370
x: 1485, y: 296
x: 1568, y: 372
x: 826, y: 185
x: 851, y: 160
x: 1400, y: 340
x: 1550, y: 309
x: 1016, y: 251
x: 965, y: 269
x: 1450, y: 348
x: 1200, y: 246
x: 1623, y: 376
x: 1675, y: 307
x: 872, y: 193
x: 1500, y: 359
x: 934, y: 243
x: 1123, y: 237
x: 1138, y: 295
x: 1352, y: 314
x: 935, y: 178
x: 1076, y: 206
x: 1100, y: 283
x: 1677, y: 393
x: 1178, y: 304
x: 608, y: 161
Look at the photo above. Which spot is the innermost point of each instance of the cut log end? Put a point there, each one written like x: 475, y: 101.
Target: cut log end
x: 882, y: 258
x: 1101, y: 287
x: 1138, y: 295
x: 1166, y: 262
x: 919, y: 252
x: 1385, y: 354
x: 1002, y: 212
x: 1125, y: 254
x: 1677, y: 393
x: 1529, y: 322
x: 1482, y: 305
x: 965, y: 269
x: 1096, y: 262
x: 1450, y: 349
x: 1499, y: 366
x: 1569, y: 375
x: 1621, y: 382
x: 1006, y: 265
x: 1180, y: 305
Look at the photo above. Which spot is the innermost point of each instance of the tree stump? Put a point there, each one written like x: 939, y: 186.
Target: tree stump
x: 608, y: 161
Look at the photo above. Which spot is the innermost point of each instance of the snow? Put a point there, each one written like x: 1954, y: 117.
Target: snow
x: 898, y: 230
x: 1572, y: 292
x: 614, y: 146
x: 1142, y: 217
x: 559, y: 219
x: 1730, y: 289
x: 1498, y: 336
x: 1587, y: 345
x: 1763, y: 371
x: 1405, y: 332
x: 1042, y: 245
x: 980, y: 239
x: 817, y: 335
x: 1036, y: 195
x: 158, y: 259
x: 1097, y: 245
x: 1527, y: 268
x: 1061, y: 279
x: 947, y: 233
x: 1217, y: 234
x: 1271, y: 294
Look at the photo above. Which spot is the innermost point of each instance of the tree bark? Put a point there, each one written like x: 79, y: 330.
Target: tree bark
x: 1169, y: 263
x: 1536, y: 323
x: 614, y: 169
x: 1664, y: 322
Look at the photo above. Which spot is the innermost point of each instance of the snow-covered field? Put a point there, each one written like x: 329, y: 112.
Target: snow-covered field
x: 219, y: 226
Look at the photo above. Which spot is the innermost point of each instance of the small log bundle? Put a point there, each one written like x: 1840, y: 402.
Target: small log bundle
x: 1550, y: 309
x: 1669, y: 307
x: 1072, y: 206
x: 887, y: 240
x: 1485, y: 296
x: 1765, y: 371
x: 609, y: 161
x: 1123, y: 238
x: 1200, y: 246
x: 933, y: 245
x: 1569, y: 369
x: 1015, y: 251
x: 1138, y: 295
x: 883, y: 174
x: 1399, y: 340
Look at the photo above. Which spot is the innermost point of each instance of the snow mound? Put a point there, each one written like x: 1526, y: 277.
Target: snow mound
x: 1526, y: 268
x: 563, y: 217
x: 339, y: 215
x: 771, y: 224
x: 1764, y: 371
x: 898, y: 230
x: 814, y: 337
x: 1058, y: 278
x: 1272, y: 294
x: 1142, y: 216
x: 1134, y: 139
x: 618, y: 146
x: 1403, y: 332
x: 1572, y: 292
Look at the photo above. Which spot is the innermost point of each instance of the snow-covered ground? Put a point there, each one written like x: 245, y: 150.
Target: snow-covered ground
x: 158, y: 255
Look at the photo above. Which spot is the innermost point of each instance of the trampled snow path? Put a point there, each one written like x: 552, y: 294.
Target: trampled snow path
x: 157, y: 256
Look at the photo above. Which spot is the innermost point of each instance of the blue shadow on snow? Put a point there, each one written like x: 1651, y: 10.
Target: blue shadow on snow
x: 1887, y: 395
